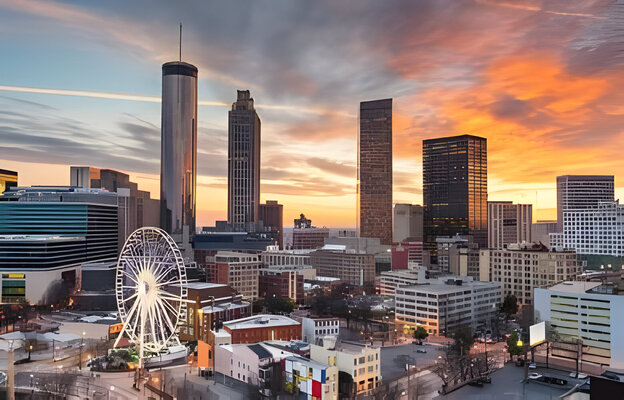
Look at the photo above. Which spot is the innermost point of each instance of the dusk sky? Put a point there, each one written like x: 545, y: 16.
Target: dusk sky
x: 543, y: 81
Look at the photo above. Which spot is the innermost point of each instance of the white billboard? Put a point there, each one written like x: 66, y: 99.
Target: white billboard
x: 537, y: 334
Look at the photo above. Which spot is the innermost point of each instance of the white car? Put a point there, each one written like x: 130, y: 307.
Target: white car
x: 532, y: 366
x: 580, y: 375
x: 534, y: 375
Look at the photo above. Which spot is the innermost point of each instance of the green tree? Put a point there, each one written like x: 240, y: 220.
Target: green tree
x: 279, y: 305
x: 510, y: 305
x: 512, y: 345
x: 463, y: 339
x: 420, y: 333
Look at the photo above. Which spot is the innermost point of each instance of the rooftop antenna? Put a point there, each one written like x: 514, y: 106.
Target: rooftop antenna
x: 180, y: 41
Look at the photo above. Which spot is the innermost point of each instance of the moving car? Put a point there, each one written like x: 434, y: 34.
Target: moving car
x: 532, y: 366
x: 580, y: 375
x: 421, y: 351
x: 534, y: 375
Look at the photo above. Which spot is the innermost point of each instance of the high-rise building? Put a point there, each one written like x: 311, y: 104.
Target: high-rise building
x: 8, y: 179
x: 309, y: 238
x: 508, y: 223
x: 238, y: 270
x: 178, y: 162
x: 454, y: 189
x: 135, y: 207
x: 243, y: 162
x: 408, y: 222
x: 374, y: 188
x: 582, y: 191
x: 272, y: 216
x: 355, y: 268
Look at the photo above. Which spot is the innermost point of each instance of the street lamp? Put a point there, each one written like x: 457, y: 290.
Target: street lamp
x: 29, y: 350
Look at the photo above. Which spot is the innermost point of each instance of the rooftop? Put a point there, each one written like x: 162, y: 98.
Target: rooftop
x: 202, y: 285
x: 441, y: 288
x: 574, y: 286
x: 37, y: 238
x: 260, y: 321
x: 307, y: 362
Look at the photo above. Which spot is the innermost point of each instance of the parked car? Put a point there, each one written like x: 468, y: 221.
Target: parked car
x: 532, y: 366
x: 558, y: 381
x: 534, y: 375
x: 610, y: 375
x: 580, y: 375
x: 520, y: 362
x: 421, y: 351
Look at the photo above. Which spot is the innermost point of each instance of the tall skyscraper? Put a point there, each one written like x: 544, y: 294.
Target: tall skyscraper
x: 454, y: 189
x: 581, y: 192
x: 243, y: 162
x: 508, y: 223
x: 178, y: 157
x: 8, y: 179
x: 374, y: 187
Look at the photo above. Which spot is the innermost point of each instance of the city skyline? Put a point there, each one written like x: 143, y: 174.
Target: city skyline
x: 542, y: 85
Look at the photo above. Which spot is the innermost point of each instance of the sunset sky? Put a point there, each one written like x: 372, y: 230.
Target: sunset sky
x: 543, y: 81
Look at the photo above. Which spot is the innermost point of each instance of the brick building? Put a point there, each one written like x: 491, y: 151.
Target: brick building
x: 309, y: 238
x: 282, y: 283
x: 375, y: 170
x: 272, y: 216
x: 238, y: 270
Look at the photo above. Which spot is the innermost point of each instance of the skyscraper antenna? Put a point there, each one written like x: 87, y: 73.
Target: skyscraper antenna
x: 180, y: 41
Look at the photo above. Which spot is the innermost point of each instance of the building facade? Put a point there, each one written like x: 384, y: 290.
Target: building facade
x: 309, y: 238
x: 238, y: 270
x: 508, y: 223
x: 8, y: 179
x: 589, y: 312
x: 408, y: 222
x: 374, y: 171
x: 522, y: 268
x: 354, y: 268
x: 541, y: 230
x: 387, y: 282
x: 243, y: 162
x: 282, y: 283
x: 582, y: 191
x: 360, y: 361
x: 178, y: 151
x: 446, y: 304
x: 309, y: 379
x: 597, y: 229
x: 407, y: 253
x: 317, y: 328
x: 454, y: 189
x: 272, y: 215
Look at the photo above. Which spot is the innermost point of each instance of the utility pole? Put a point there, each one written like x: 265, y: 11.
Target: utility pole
x: 11, y: 373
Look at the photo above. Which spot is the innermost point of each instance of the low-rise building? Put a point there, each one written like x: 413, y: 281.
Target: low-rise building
x: 210, y: 305
x: 283, y: 282
x: 360, y: 361
x: 387, y: 282
x: 259, y: 328
x: 314, y: 329
x: 587, y: 311
x: 408, y: 252
x: 347, y: 265
x: 310, y: 379
x: 274, y: 256
x: 444, y: 304
x: 238, y: 270
x: 523, y: 267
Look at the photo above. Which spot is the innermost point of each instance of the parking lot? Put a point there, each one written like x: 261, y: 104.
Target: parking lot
x: 394, y: 358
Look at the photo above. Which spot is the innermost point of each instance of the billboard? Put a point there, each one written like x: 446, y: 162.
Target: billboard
x: 537, y: 334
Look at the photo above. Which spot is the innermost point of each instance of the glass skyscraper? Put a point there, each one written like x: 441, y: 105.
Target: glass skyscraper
x: 454, y: 189
x: 243, y: 162
x: 374, y: 172
x: 178, y: 156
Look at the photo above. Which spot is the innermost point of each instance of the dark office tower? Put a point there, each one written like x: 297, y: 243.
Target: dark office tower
x: 454, y: 189
x: 375, y: 170
x: 272, y: 215
x: 243, y: 163
x: 578, y: 192
x: 178, y: 157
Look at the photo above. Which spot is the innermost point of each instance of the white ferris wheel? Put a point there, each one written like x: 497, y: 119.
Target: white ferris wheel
x: 151, y: 291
